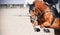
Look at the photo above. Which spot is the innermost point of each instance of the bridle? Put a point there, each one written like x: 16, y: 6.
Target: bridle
x: 40, y: 14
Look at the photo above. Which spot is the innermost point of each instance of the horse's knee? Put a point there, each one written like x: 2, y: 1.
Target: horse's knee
x: 35, y: 23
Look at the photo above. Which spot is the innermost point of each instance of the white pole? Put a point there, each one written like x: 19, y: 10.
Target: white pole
x: 25, y: 3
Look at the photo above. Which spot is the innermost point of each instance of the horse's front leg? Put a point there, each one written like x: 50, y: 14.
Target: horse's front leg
x: 56, y: 24
x: 48, y: 19
x: 45, y: 24
x: 34, y: 21
x: 36, y: 26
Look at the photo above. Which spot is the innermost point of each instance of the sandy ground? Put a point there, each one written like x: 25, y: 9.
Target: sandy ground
x: 15, y: 21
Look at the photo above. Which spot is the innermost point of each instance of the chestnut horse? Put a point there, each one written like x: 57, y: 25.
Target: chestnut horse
x: 42, y: 15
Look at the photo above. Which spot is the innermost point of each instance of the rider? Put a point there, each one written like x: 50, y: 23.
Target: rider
x: 53, y: 5
x: 51, y: 2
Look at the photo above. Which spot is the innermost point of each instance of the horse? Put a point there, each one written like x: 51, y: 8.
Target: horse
x: 35, y: 16
x: 43, y: 16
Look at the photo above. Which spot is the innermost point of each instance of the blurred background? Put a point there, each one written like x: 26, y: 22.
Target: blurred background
x: 16, y: 3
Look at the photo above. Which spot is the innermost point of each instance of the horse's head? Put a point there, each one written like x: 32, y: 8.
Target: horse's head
x: 36, y: 12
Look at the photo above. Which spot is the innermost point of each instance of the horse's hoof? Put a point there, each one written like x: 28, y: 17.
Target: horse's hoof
x: 46, y: 30
x: 37, y: 29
